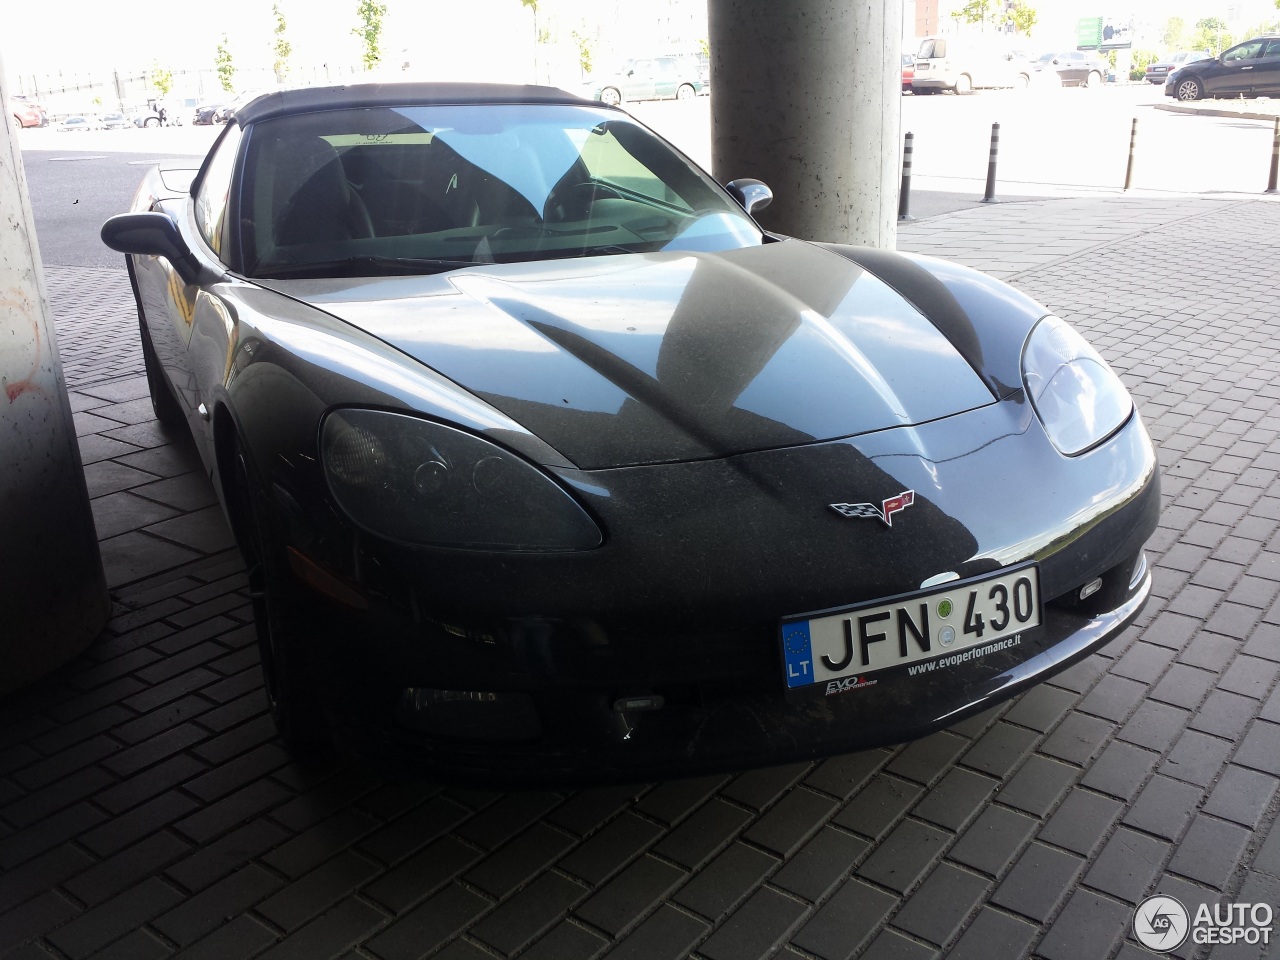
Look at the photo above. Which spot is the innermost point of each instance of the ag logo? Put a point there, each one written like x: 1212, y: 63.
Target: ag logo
x: 1161, y: 923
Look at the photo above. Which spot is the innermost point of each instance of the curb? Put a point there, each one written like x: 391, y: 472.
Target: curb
x: 1210, y: 112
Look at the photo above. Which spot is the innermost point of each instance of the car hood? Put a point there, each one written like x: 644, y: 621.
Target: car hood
x: 652, y: 358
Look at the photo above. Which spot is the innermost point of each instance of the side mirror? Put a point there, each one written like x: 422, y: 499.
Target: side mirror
x: 154, y: 235
x: 752, y: 194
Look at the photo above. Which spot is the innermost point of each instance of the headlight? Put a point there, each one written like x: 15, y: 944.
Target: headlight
x: 416, y: 481
x: 1075, y: 394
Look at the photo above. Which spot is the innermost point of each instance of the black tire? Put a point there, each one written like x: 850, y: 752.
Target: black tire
x: 1188, y: 89
x: 278, y: 620
x: 610, y: 96
x: 167, y: 409
x: 152, y: 122
x: 686, y: 92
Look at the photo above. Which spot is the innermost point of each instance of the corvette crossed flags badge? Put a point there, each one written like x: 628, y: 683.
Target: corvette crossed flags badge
x: 884, y: 511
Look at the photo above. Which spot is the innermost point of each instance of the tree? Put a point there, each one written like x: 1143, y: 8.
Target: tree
x: 1212, y: 35
x: 370, y: 13
x: 1003, y: 17
x: 1175, y: 34
x: 281, y: 47
x: 160, y: 78
x: 226, y: 69
x: 1024, y: 18
x: 585, y: 48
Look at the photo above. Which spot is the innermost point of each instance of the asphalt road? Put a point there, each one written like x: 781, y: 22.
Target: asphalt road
x: 1052, y: 143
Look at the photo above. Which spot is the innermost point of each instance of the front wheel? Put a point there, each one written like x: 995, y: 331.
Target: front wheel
x: 278, y: 620
x: 165, y: 405
x: 1189, y: 89
x: 610, y: 97
x: 686, y: 92
x: 964, y: 84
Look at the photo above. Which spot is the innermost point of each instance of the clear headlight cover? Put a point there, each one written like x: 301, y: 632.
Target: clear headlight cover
x: 420, y: 482
x: 1077, y: 397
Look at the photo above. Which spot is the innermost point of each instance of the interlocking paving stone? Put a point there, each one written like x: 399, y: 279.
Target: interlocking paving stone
x: 936, y: 910
x: 151, y: 760
x: 1038, y: 881
x: 1081, y: 821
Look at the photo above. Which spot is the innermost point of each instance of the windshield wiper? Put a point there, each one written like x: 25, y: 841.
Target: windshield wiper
x: 365, y: 265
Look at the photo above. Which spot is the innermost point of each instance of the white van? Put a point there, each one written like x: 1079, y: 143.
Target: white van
x: 964, y: 63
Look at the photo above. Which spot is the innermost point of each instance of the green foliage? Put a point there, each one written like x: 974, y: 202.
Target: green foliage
x: 281, y: 47
x: 370, y: 13
x: 586, y: 46
x: 160, y: 78
x: 1024, y: 18
x: 1175, y: 34
x: 1212, y: 35
x: 533, y: 4
x: 226, y: 68
x: 1143, y: 59
x: 995, y: 13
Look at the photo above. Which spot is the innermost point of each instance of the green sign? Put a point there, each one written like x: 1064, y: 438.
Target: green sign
x: 1088, y: 33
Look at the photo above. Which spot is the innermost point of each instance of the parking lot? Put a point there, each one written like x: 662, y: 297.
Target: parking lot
x: 147, y: 811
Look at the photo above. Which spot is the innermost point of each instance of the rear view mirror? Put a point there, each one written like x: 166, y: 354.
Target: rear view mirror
x: 752, y: 194
x: 154, y: 235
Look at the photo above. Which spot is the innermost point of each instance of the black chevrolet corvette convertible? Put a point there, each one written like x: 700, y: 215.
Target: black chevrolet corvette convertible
x: 547, y: 462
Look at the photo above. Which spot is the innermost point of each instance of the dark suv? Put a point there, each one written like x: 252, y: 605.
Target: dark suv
x: 1248, y: 69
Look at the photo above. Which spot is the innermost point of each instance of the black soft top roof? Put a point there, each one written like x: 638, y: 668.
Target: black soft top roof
x: 312, y: 99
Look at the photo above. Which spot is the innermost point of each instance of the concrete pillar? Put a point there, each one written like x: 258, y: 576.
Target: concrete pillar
x: 53, y: 596
x: 806, y: 96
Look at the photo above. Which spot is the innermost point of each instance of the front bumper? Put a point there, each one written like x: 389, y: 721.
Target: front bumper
x: 659, y: 655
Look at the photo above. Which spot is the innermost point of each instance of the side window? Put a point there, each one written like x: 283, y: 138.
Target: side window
x: 211, y: 201
x: 1273, y: 49
x: 1246, y: 51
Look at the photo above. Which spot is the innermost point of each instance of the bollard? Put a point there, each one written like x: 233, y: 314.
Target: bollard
x: 1133, y: 140
x: 990, y: 195
x: 1275, y: 160
x: 904, y: 196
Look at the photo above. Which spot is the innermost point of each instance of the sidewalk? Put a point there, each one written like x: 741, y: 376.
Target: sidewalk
x: 146, y: 810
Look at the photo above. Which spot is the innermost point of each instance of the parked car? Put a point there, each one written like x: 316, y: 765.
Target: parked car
x: 648, y: 78
x: 79, y: 123
x: 547, y: 462
x: 1159, y: 71
x: 1248, y: 69
x: 115, y: 121
x: 229, y: 111
x: 210, y: 111
x: 26, y: 113
x: 908, y: 71
x: 1075, y: 68
x: 962, y: 64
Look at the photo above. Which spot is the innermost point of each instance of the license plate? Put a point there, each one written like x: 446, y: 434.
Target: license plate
x: 932, y: 630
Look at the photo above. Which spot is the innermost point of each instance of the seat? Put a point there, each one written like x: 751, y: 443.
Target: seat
x: 322, y: 207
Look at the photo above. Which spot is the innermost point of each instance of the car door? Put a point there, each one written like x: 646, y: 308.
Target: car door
x: 1266, y: 73
x: 1073, y: 68
x: 1233, y: 72
x: 183, y: 319
x: 665, y: 78
x: 639, y: 82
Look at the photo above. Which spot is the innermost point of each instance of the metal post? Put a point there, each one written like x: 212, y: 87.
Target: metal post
x: 904, y: 195
x: 1275, y: 160
x: 990, y: 195
x: 1133, y: 141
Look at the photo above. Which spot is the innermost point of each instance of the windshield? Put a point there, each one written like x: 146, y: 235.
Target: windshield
x: 368, y: 191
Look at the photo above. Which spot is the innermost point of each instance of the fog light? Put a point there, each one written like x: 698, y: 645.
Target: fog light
x: 1090, y: 588
x: 652, y: 701
x: 470, y: 714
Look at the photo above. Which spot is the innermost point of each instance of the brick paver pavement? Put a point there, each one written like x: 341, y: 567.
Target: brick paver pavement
x: 146, y: 810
